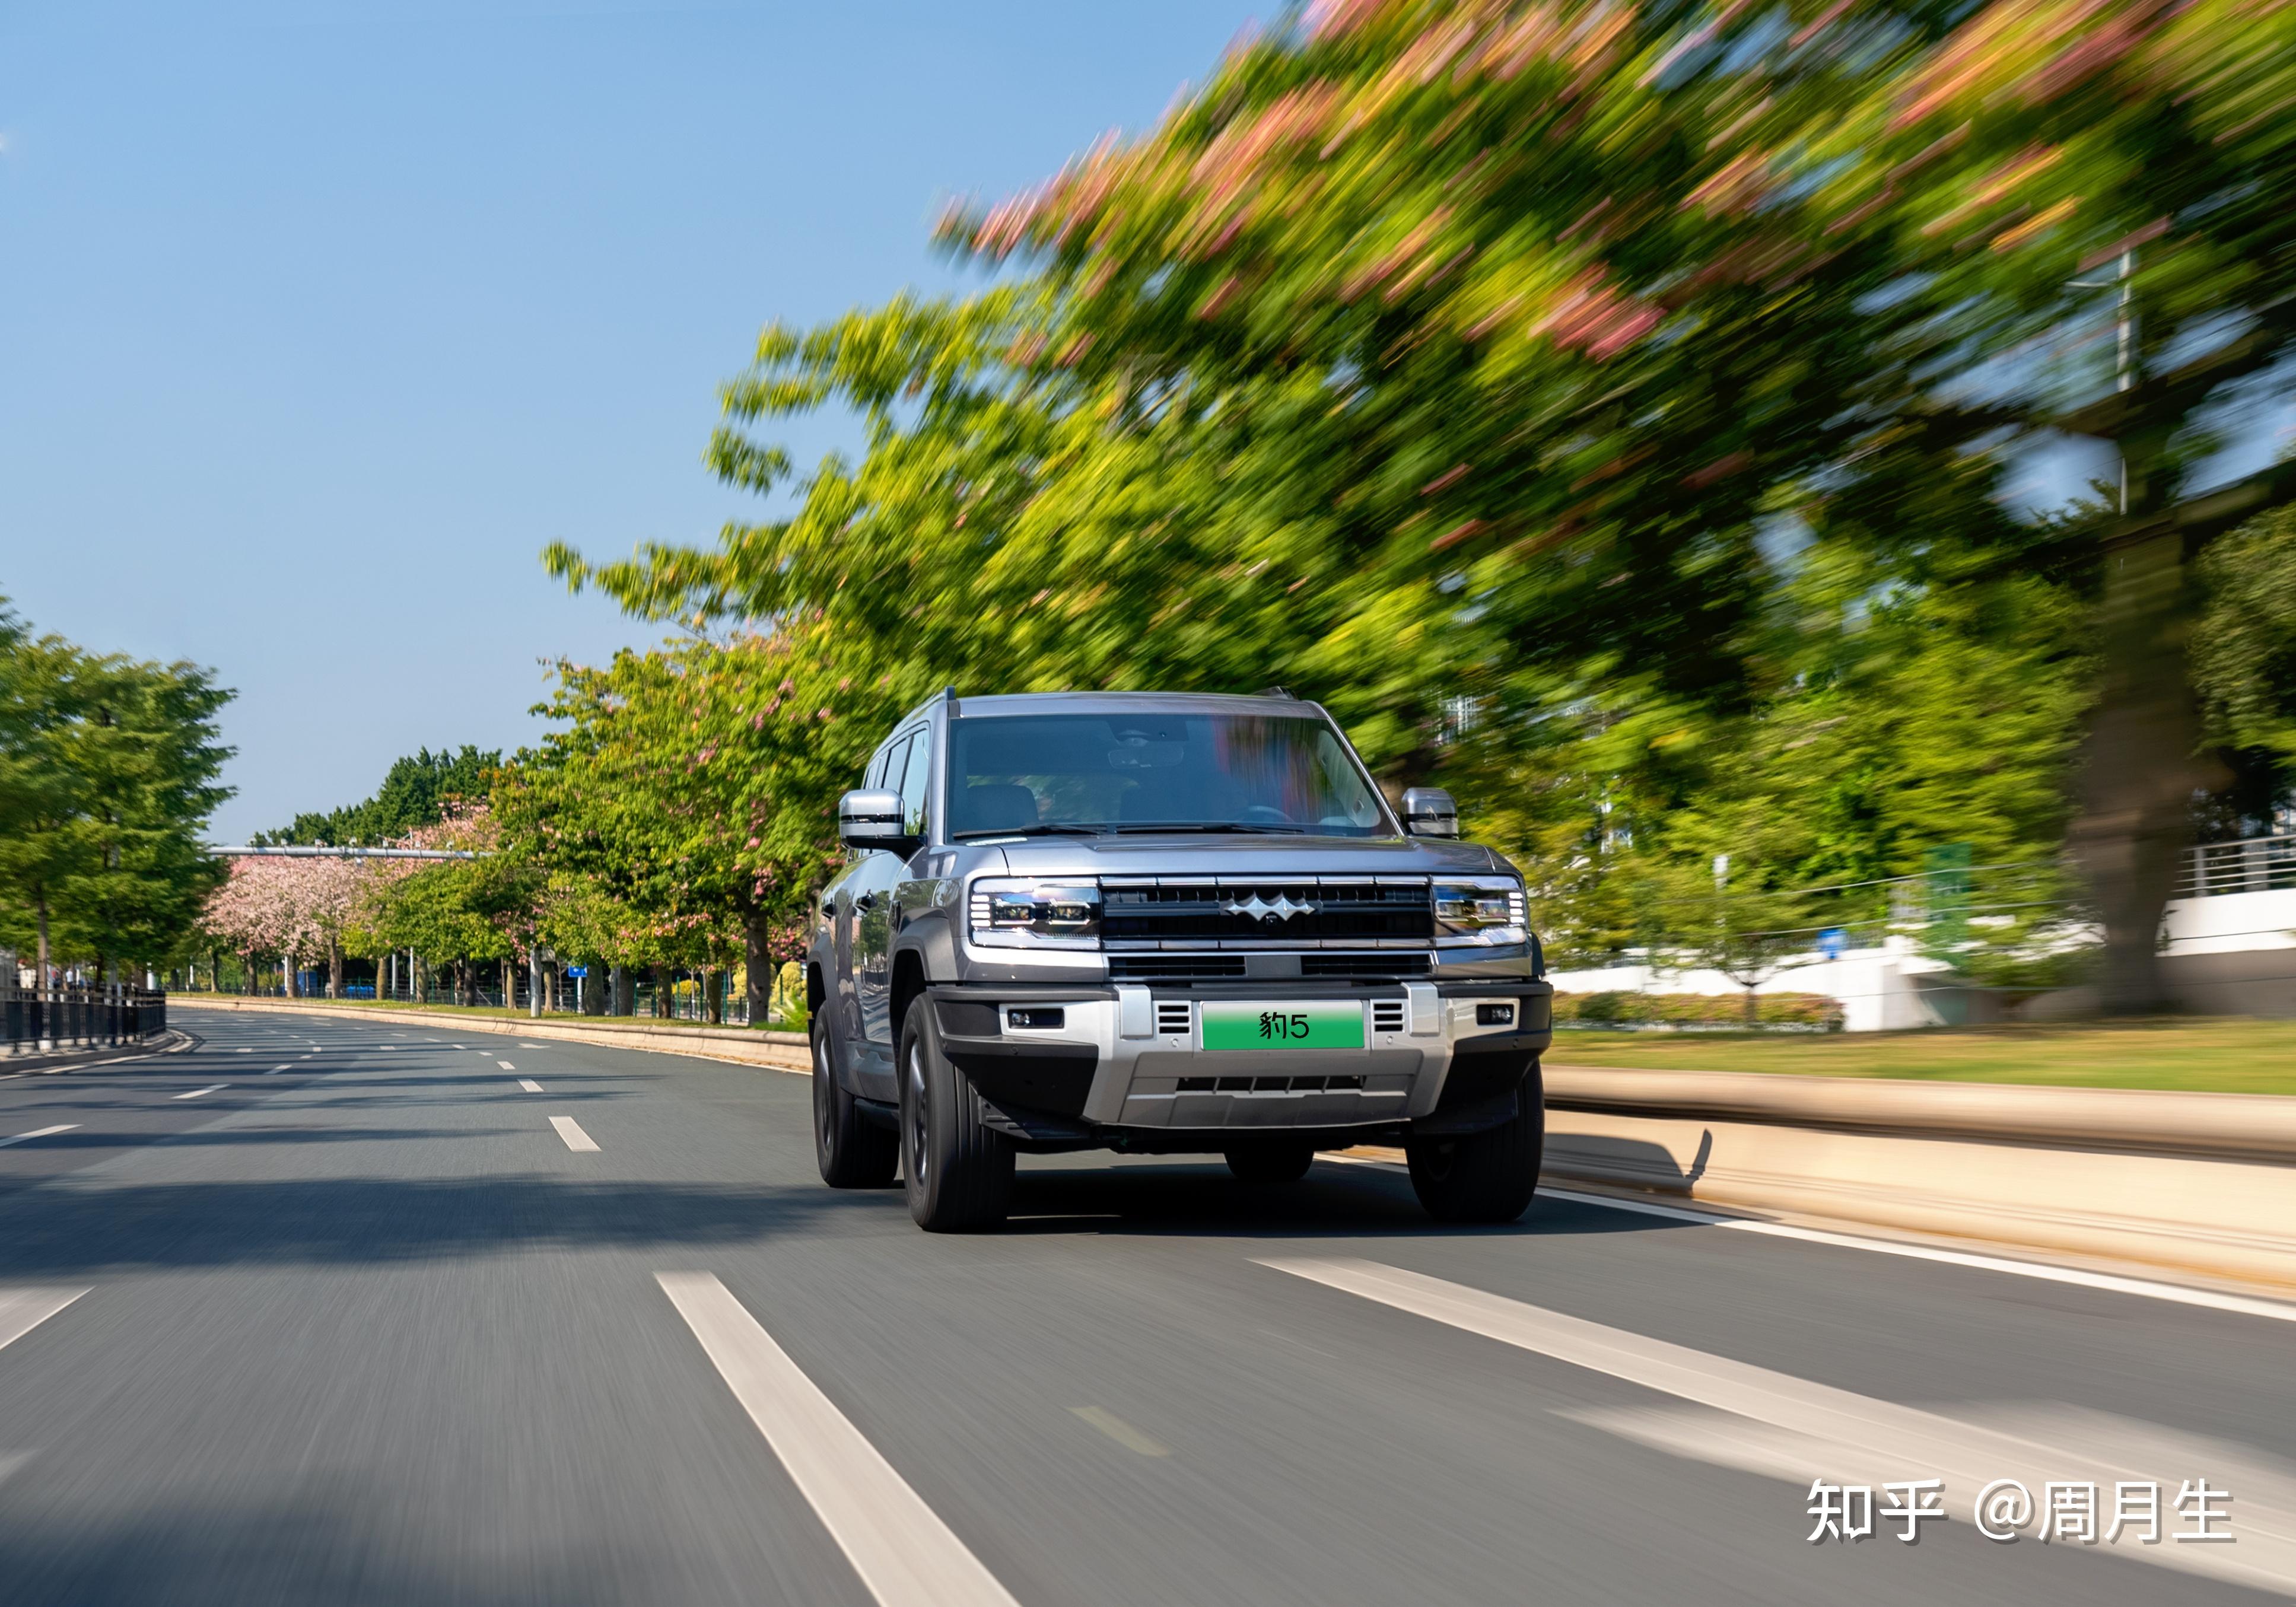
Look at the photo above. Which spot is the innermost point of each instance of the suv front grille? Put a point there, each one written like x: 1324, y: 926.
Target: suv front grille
x: 1181, y: 967
x: 1305, y: 911
x: 1381, y: 965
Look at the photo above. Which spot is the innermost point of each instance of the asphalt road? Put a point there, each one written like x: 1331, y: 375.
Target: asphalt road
x: 330, y: 1311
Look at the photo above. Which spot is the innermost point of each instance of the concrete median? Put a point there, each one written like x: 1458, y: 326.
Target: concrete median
x: 781, y: 1051
x: 2195, y: 1182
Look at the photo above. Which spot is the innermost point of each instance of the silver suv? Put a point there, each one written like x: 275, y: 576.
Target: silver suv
x: 1163, y: 923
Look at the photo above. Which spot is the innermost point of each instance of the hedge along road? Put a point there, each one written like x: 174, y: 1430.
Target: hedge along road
x: 370, y: 1328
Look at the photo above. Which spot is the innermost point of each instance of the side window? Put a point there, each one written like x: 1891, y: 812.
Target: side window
x: 888, y: 762
x: 913, y: 781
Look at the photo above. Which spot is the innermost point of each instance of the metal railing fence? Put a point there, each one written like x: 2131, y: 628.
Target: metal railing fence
x: 70, y: 1016
x: 2253, y: 864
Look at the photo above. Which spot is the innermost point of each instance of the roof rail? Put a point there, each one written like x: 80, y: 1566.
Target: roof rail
x: 1280, y: 692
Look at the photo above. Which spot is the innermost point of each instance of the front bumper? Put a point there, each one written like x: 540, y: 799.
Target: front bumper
x: 1129, y: 1059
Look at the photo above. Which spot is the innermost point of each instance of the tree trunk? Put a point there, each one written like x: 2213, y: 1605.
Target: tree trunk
x: 2141, y: 769
x: 334, y: 969
x: 713, y: 995
x: 759, y: 967
x: 660, y: 991
x: 43, y: 906
x: 593, y: 991
x: 1753, y: 1010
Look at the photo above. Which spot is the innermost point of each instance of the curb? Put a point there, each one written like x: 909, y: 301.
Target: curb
x: 2145, y: 1121
x: 173, y: 1041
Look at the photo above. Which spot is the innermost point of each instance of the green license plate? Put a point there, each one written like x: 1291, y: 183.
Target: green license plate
x: 1331, y: 1024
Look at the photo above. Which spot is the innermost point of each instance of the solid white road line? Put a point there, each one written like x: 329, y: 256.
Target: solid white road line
x: 1789, y: 1427
x: 37, y: 1132
x: 21, y: 1310
x: 904, y: 1555
x: 529, y: 1084
x: 2279, y: 1311
x: 195, y: 1092
x: 571, y: 1130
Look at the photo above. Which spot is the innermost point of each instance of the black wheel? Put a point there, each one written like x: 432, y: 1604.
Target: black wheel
x: 1485, y: 1176
x: 958, y: 1169
x: 1272, y: 1162
x: 853, y: 1152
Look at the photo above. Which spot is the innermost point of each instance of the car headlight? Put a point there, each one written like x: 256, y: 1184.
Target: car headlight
x: 1485, y: 910
x: 1020, y: 911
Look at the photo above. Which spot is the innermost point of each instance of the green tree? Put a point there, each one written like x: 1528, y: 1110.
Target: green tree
x: 415, y: 792
x: 692, y: 788
x: 108, y: 771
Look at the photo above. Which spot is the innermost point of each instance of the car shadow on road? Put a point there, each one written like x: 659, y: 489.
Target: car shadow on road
x: 69, y: 1229
x: 1335, y: 1200
x: 333, y: 1541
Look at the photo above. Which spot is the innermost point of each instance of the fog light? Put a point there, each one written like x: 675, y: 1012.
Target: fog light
x: 1038, y: 1018
x: 1494, y: 1015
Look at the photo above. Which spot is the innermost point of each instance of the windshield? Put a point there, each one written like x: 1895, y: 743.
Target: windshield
x: 1130, y: 772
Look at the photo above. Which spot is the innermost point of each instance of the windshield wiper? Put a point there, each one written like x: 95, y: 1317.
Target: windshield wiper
x: 1044, y: 828
x: 1206, y: 825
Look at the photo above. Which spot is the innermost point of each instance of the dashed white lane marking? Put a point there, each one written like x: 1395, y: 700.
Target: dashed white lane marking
x: 38, y: 1133
x: 386, y: 1046
x: 2279, y: 1311
x: 904, y: 1555
x: 571, y: 1130
x: 245, y: 1050
x: 1770, y: 1421
x: 529, y: 1084
x: 275, y: 1070
x: 1131, y: 1439
x: 195, y: 1092
x: 21, y: 1310
x: 506, y: 1065
x: 529, y: 1045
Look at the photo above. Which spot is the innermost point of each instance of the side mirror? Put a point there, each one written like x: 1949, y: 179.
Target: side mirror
x: 1429, y: 812
x: 870, y: 817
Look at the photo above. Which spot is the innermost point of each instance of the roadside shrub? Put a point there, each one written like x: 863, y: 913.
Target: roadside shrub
x: 1612, y: 1009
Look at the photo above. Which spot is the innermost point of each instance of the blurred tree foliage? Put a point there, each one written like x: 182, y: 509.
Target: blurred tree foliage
x: 2245, y: 657
x: 1604, y: 407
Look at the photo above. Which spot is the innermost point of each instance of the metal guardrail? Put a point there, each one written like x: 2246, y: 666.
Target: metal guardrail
x: 44, y: 1021
x: 2254, y: 864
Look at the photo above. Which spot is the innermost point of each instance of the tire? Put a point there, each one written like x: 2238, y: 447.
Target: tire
x: 1487, y: 1177
x: 958, y: 1169
x: 1273, y: 1162
x: 853, y: 1152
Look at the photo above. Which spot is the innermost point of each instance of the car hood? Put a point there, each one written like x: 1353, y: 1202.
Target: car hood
x: 1192, y: 854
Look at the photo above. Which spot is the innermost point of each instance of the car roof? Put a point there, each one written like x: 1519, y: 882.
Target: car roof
x: 1124, y: 702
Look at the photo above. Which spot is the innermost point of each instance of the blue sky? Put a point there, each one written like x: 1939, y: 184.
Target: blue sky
x: 318, y: 320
